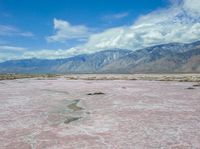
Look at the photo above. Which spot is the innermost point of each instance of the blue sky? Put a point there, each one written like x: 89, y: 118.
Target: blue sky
x: 63, y: 28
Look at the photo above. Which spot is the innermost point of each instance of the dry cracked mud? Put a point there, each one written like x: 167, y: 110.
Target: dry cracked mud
x: 58, y: 114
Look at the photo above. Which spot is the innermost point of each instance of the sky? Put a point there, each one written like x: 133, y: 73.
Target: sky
x: 53, y: 29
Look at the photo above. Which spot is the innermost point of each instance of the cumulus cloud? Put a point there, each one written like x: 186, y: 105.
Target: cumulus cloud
x: 178, y: 23
x: 192, y: 7
x: 7, y: 30
x: 65, y: 31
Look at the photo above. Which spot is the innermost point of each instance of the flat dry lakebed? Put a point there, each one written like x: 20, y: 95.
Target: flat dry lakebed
x: 115, y: 114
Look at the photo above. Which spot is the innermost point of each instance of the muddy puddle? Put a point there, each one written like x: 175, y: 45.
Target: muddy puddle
x: 68, y: 111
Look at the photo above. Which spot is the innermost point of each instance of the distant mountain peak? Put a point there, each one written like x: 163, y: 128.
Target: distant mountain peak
x: 165, y: 58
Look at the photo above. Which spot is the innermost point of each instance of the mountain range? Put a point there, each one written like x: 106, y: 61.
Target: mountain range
x: 166, y: 58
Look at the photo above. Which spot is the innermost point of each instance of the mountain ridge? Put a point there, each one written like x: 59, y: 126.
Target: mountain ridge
x: 165, y: 58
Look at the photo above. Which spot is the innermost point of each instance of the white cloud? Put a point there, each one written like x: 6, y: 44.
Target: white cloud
x: 50, y: 54
x: 7, y: 30
x: 8, y: 52
x: 11, y: 52
x: 6, y: 48
x: 192, y: 7
x: 65, y: 31
x: 116, y: 16
x: 178, y: 23
x: 7, y: 56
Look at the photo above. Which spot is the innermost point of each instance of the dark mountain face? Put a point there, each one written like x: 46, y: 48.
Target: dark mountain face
x: 78, y: 64
x: 168, y: 58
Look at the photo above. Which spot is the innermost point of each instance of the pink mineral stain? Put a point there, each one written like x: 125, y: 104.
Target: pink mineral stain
x: 129, y: 114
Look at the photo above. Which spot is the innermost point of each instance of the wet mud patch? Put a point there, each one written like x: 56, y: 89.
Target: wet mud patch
x: 73, y: 106
x: 68, y: 111
x: 96, y: 93
x: 76, y: 112
x: 71, y: 119
x: 196, y: 85
x: 190, y: 88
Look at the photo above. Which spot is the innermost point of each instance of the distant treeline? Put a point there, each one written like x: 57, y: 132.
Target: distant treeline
x: 21, y: 76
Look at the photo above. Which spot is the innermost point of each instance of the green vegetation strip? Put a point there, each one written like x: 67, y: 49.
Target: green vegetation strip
x: 22, y: 76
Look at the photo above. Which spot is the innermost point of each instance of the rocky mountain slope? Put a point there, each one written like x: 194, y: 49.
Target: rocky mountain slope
x: 168, y: 58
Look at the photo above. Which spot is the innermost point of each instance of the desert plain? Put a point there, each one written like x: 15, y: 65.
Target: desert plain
x: 101, y: 112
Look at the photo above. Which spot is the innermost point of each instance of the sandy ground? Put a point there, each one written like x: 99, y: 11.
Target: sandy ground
x: 59, y: 114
